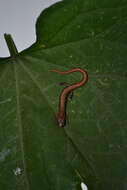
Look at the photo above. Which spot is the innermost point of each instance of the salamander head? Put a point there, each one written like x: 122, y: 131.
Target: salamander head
x: 61, y: 122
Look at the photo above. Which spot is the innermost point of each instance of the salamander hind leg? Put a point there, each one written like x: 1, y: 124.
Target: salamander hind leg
x: 71, y: 94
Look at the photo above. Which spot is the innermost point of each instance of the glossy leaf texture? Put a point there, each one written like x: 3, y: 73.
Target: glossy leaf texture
x: 35, y: 153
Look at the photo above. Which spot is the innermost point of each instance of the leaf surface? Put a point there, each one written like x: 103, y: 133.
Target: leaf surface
x: 34, y: 152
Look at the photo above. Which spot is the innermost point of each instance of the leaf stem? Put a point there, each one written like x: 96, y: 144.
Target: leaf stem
x: 11, y: 45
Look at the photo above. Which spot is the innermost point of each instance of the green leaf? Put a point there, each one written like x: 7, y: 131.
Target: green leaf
x: 35, y: 153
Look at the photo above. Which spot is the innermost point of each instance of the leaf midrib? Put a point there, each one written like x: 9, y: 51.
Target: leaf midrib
x: 19, y: 122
